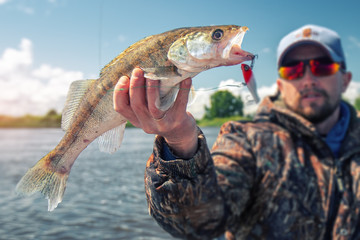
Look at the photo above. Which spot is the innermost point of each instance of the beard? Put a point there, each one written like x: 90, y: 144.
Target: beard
x: 315, y: 112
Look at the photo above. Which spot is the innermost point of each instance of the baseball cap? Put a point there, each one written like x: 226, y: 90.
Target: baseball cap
x: 312, y: 34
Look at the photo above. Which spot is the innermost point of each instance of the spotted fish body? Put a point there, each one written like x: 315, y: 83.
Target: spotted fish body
x: 88, y: 114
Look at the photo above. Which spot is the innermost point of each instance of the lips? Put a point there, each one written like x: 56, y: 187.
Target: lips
x: 236, y: 51
x: 312, y: 94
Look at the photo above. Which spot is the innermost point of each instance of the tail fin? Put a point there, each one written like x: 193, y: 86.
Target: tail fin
x: 41, y: 178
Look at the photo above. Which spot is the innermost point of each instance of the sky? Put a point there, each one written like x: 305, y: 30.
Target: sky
x: 47, y: 44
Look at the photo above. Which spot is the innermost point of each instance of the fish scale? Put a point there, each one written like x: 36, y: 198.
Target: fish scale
x: 89, y: 113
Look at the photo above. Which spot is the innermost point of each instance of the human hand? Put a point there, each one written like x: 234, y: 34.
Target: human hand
x: 137, y: 104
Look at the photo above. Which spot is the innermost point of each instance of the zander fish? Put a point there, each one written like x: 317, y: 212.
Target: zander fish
x: 88, y: 113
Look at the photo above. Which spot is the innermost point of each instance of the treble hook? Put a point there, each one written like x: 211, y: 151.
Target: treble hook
x: 253, y: 61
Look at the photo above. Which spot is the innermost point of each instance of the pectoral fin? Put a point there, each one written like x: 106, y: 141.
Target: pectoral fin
x: 192, y: 95
x: 111, y: 140
x: 161, y: 73
x: 168, y: 99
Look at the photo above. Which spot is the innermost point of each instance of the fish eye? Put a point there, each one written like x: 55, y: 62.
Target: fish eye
x: 217, y: 34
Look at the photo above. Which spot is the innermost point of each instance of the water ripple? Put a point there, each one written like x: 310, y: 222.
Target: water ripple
x: 104, y: 199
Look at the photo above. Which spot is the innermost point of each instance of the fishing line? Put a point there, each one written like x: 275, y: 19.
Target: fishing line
x: 101, y: 9
x: 248, y: 100
x: 240, y: 85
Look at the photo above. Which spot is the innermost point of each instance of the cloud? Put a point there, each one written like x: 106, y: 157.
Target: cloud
x: 13, y: 59
x: 266, y: 50
x: 352, y: 92
x: 121, y: 38
x: 3, y: 1
x: 25, y: 9
x: 355, y: 41
x: 25, y: 89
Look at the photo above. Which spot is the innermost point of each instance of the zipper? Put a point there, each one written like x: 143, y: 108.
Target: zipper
x: 336, y: 196
x: 337, y: 192
x: 339, y: 176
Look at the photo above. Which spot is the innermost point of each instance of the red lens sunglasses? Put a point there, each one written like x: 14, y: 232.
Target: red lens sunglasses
x: 319, y: 67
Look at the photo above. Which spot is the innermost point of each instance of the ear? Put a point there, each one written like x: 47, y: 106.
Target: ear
x: 279, y: 84
x: 346, y: 80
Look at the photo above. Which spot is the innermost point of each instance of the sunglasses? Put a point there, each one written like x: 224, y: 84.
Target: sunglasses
x: 320, y: 67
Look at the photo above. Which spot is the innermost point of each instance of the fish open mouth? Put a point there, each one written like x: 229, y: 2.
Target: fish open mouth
x: 233, y: 49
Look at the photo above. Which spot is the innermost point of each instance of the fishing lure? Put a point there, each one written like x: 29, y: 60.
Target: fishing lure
x: 250, y: 80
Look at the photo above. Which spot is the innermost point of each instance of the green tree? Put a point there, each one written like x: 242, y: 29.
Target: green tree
x: 52, y: 112
x: 357, y: 103
x: 224, y: 104
x: 51, y: 119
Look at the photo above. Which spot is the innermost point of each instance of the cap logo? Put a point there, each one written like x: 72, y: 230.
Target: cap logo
x: 307, y: 33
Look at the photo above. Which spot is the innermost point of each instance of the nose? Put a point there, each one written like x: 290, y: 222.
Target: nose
x: 309, y: 79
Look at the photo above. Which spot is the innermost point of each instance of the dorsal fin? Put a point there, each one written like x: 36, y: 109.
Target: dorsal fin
x: 76, y: 92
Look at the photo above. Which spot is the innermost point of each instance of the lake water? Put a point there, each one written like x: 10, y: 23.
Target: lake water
x: 104, y: 198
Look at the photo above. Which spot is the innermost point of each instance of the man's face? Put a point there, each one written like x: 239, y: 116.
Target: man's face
x: 315, y: 98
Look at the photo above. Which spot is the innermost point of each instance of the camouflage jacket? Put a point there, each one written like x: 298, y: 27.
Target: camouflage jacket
x: 270, y: 178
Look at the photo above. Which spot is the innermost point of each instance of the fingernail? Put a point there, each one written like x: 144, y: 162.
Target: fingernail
x: 137, y: 72
x: 124, y: 80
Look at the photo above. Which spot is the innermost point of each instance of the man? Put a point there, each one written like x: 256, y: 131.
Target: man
x: 291, y: 173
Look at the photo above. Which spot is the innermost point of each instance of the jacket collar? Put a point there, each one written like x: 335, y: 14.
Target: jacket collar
x: 273, y: 109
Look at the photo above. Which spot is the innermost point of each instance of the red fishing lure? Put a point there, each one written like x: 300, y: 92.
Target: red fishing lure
x: 250, y: 81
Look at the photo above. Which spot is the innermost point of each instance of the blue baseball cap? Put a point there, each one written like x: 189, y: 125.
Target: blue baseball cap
x: 312, y: 34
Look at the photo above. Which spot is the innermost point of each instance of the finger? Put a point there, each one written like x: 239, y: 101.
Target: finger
x: 137, y: 87
x: 121, y: 93
x: 121, y: 100
x: 137, y: 95
x: 183, y: 95
x: 153, y: 98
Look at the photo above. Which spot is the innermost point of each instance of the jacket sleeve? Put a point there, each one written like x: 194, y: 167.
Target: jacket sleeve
x: 198, y: 198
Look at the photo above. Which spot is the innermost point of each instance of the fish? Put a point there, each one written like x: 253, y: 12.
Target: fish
x: 250, y: 81
x: 89, y: 113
